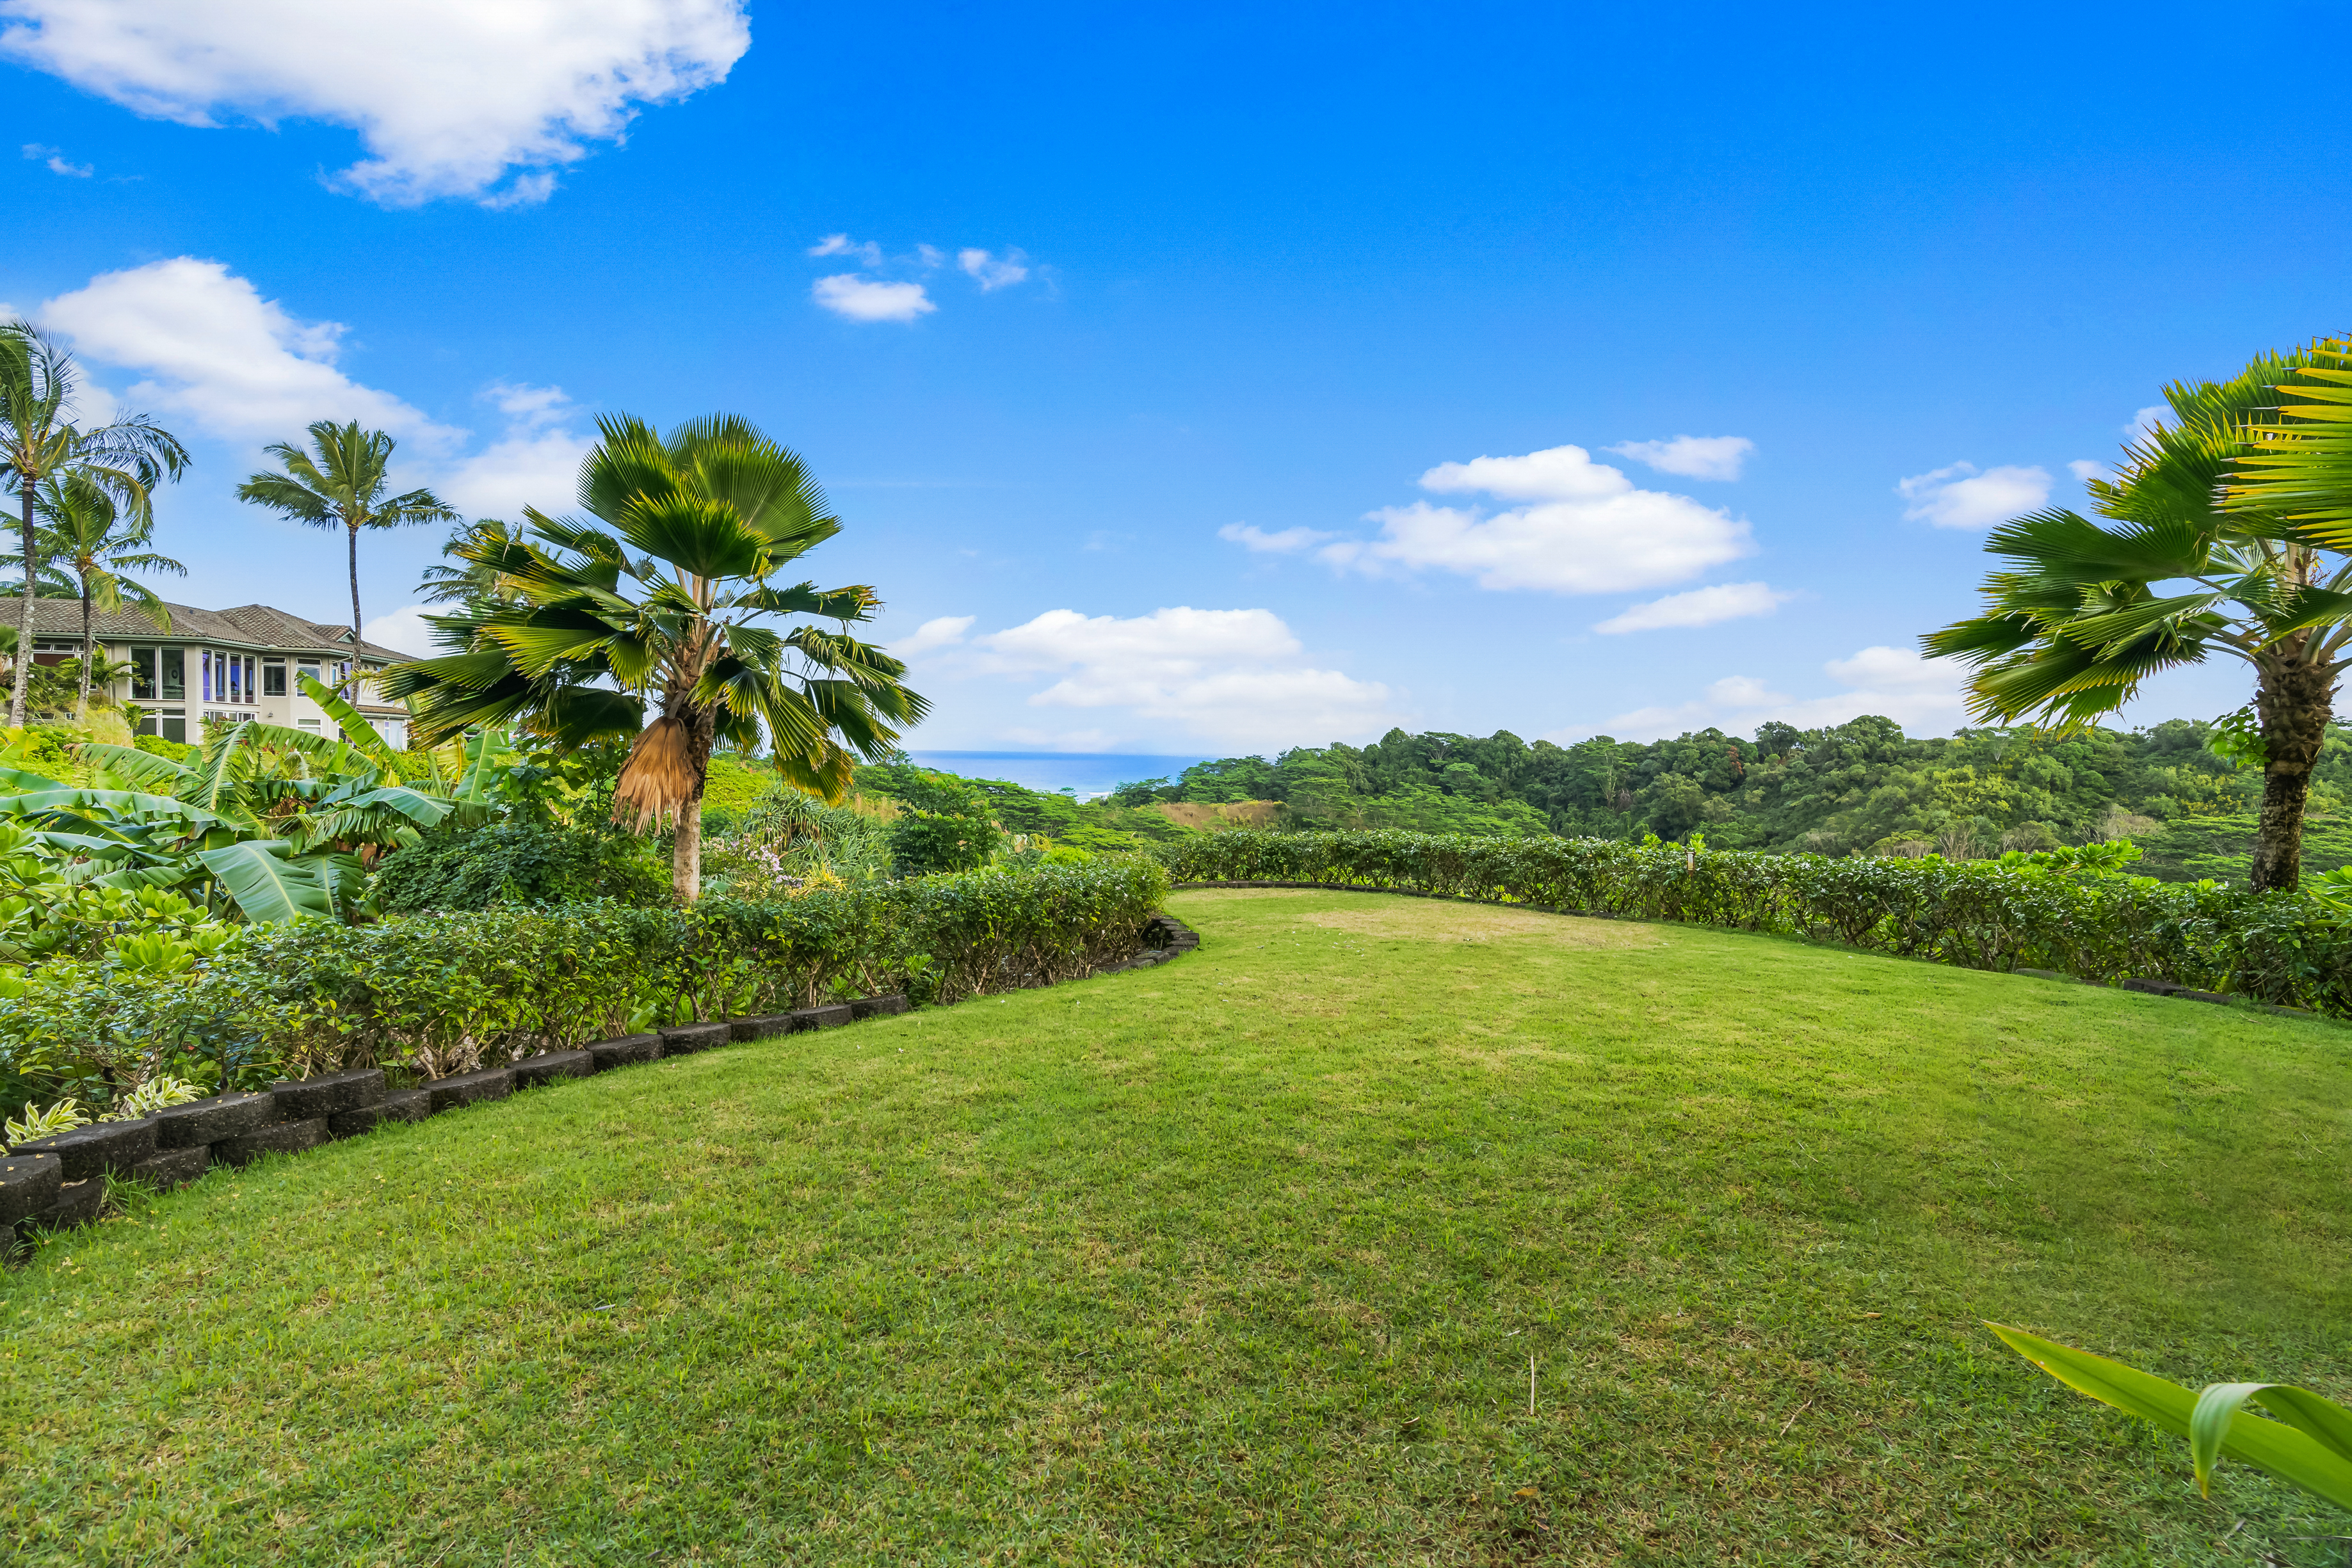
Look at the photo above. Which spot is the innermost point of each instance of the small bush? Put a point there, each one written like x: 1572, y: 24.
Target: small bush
x: 516, y: 863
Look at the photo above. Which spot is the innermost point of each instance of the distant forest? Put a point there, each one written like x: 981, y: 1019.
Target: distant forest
x: 1863, y: 787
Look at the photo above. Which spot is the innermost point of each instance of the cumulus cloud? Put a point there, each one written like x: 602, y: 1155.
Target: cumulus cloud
x: 1583, y: 527
x: 55, y: 156
x: 1285, y: 541
x: 403, y: 629
x: 219, y: 356
x: 450, y: 97
x: 1699, y: 607
x: 1961, y: 496
x: 857, y: 299
x: 1916, y: 693
x: 993, y: 272
x: 841, y: 245
x: 2148, y: 419
x: 2085, y: 470
x: 1231, y: 677
x: 1692, y: 456
x: 942, y: 631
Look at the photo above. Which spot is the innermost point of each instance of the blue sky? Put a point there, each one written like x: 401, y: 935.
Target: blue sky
x: 1203, y: 379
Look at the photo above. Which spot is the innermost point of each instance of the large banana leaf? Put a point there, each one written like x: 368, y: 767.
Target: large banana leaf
x: 2291, y: 1448
x: 362, y: 735
x: 269, y: 882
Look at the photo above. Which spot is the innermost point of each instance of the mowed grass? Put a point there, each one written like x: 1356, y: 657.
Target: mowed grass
x: 1244, y: 1259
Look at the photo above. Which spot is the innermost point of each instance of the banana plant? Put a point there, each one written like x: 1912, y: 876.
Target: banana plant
x: 2309, y: 1444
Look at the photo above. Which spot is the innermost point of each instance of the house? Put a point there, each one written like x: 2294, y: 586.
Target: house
x: 225, y: 665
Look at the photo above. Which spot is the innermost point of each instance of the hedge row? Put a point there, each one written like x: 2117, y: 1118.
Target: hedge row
x: 438, y: 994
x: 2280, y: 948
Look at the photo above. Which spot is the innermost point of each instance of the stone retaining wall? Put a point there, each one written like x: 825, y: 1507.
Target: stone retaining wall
x: 51, y: 1184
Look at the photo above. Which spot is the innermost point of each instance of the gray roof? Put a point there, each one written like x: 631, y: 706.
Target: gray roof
x: 255, y: 626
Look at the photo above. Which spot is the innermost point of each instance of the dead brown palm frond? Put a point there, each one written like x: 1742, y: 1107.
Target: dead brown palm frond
x: 659, y: 780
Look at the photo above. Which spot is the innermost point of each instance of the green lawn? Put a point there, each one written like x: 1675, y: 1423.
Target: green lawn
x: 1243, y: 1259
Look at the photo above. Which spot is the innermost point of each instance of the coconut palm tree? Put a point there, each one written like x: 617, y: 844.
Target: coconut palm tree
x: 38, y: 440
x: 655, y: 597
x: 342, y: 486
x: 86, y: 538
x: 2208, y: 557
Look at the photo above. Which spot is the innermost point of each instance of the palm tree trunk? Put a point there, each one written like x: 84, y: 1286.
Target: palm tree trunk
x: 2294, y: 700
x: 686, y: 851
x: 81, y: 698
x: 23, y: 614
x: 352, y: 689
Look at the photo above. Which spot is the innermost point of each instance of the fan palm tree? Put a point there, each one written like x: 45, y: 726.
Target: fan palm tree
x: 342, y: 486
x: 655, y: 597
x: 37, y: 441
x: 2209, y: 557
x: 86, y: 538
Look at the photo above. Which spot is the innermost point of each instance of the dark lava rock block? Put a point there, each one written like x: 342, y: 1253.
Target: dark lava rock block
x: 608, y: 1054
x: 78, y: 1204
x: 98, y: 1149
x: 469, y: 1088
x: 281, y: 1138
x: 552, y: 1065
x: 2153, y: 987
x: 879, y: 1006
x: 28, y: 1184
x: 209, y: 1121
x: 2042, y: 974
x: 831, y: 1017
x: 306, y: 1099
x: 173, y: 1167
x: 2185, y: 994
x: 400, y: 1105
x: 689, y: 1038
x: 756, y: 1025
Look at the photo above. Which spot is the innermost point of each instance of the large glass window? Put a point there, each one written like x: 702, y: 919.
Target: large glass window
x: 175, y: 682
x: 204, y: 674
x: 273, y: 678
x: 170, y: 723
x: 143, y: 674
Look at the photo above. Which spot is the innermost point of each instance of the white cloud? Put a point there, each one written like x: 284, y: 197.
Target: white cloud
x: 403, y: 629
x: 1066, y: 741
x: 450, y: 97
x: 1958, y: 497
x: 526, y: 467
x: 525, y: 404
x: 855, y: 299
x: 942, y: 631
x: 2085, y: 470
x: 1692, y: 456
x: 1586, y: 528
x: 2148, y: 419
x: 841, y: 245
x: 1231, y: 677
x: 216, y: 353
x: 56, y: 159
x: 1699, y: 607
x: 1287, y: 541
x: 993, y: 272
x: 1893, y: 683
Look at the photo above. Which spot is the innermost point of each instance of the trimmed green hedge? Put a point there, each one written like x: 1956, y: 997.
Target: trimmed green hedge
x: 2280, y: 948
x: 440, y: 993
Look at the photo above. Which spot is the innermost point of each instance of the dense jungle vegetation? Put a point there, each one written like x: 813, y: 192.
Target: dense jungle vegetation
x: 1863, y: 787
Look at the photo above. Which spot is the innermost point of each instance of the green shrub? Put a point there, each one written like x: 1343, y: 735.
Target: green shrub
x: 947, y: 825
x: 2079, y: 919
x: 442, y: 993
x: 518, y: 863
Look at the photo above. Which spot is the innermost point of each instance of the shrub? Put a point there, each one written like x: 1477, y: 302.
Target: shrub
x: 947, y: 825
x: 2069, y: 913
x: 518, y: 863
x: 439, y: 994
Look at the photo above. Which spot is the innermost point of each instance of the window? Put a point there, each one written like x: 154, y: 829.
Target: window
x: 307, y: 722
x: 143, y: 675
x: 175, y: 682
x: 273, y: 678
x: 170, y: 723
x: 204, y: 676
x: 308, y: 667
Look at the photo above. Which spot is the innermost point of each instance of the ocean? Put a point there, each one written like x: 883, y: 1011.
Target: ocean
x: 1089, y: 773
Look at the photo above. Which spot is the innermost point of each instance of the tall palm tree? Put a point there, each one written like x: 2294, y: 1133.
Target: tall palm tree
x: 474, y: 585
x: 86, y: 537
x: 2208, y: 558
x: 343, y: 487
x: 658, y: 593
x: 126, y: 458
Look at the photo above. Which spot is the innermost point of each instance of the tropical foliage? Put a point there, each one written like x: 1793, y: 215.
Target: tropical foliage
x: 659, y: 596
x: 2309, y: 1444
x: 2210, y: 552
x: 341, y: 483
x: 91, y: 546
x: 39, y: 443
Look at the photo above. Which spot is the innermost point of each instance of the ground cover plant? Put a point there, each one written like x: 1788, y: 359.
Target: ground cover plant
x: 1244, y: 1259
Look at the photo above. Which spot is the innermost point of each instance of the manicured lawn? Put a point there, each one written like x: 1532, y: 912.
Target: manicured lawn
x: 1243, y: 1259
